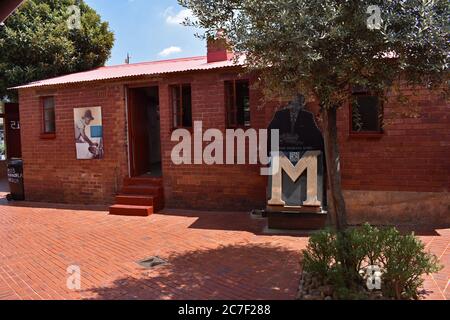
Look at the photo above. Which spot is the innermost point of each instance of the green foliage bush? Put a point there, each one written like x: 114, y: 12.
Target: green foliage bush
x: 341, y: 259
x: 320, y: 253
x: 405, y: 262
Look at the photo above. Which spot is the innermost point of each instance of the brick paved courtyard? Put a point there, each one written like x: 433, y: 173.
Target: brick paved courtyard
x: 210, y: 255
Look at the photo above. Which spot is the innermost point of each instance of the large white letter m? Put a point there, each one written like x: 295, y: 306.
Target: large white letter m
x: 309, y: 162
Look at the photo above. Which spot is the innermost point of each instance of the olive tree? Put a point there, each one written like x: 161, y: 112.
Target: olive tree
x: 324, y: 48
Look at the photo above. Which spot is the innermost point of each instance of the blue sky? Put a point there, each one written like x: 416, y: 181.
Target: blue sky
x: 148, y: 30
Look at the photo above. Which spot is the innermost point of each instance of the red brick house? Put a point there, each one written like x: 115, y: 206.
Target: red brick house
x: 398, y: 174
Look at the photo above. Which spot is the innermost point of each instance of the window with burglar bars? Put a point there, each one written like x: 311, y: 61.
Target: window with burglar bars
x: 237, y: 99
x: 181, y: 100
x: 48, y: 110
x: 366, y: 112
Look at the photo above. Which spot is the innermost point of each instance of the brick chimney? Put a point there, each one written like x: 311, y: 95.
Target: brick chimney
x: 218, y: 48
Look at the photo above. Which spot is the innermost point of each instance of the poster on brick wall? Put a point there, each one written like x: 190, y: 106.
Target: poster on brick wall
x: 88, y: 133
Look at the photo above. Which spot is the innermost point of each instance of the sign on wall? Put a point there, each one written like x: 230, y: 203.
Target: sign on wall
x: 88, y: 133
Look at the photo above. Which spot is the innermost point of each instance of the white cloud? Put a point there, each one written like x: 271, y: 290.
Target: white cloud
x: 177, y: 18
x: 170, y: 50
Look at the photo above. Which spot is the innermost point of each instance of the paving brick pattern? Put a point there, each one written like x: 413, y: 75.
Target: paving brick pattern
x: 209, y: 255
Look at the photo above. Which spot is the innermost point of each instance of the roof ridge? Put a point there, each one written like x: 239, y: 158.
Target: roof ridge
x: 152, y: 62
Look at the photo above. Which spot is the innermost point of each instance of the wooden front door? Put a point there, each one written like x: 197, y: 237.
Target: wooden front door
x: 138, y: 132
x: 12, y: 131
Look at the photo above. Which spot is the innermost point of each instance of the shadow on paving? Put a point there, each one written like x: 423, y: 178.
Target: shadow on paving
x: 235, y: 221
x: 232, y: 221
x: 254, y: 271
x: 57, y: 206
x: 206, y: 220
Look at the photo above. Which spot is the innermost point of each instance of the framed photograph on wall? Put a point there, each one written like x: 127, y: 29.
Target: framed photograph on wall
x: 88, y: 133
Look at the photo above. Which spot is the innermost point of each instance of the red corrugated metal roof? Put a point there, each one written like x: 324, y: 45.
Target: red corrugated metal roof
x: 136, y: 70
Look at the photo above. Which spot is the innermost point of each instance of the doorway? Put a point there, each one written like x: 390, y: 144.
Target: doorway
x: 144, y: 132
x: 10, y: 143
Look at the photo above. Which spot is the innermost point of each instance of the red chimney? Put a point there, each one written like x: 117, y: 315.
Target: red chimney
x: 219, y: 49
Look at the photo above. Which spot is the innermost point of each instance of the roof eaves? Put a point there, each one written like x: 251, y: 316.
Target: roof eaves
x: 37, y: 84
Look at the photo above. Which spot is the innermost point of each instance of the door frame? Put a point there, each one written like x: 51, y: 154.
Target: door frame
x: 129, y: 119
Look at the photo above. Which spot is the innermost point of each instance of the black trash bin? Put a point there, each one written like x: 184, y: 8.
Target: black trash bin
x: 15, y: 179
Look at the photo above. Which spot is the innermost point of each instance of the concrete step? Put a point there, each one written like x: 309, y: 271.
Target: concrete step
x: 141, y: 196
x: 136, y: 181
x: 135, y: 200
x: 143, y: 190
x: 128, y: 210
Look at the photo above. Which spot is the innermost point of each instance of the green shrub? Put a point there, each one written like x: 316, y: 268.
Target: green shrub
x: 341, y: 259
x: 405, y: 261
x: 319, y: 256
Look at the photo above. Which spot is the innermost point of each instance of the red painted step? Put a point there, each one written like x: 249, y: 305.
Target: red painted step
x: 128, y: 210
x: 140, y: 196
x: 152, y: 181
x: 142, y: 190
x: 135, y: 200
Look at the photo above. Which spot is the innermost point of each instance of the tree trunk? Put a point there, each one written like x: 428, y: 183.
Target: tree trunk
x: 339, y: 217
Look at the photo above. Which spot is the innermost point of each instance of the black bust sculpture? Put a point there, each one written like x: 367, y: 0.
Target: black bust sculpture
x: 297, y: 127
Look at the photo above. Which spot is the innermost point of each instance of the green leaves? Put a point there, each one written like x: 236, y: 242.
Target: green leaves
x: 325, y: 47
x: 343, y: 258
x: 406, y: 261
x: 36, y: 43
x: 319, y: 256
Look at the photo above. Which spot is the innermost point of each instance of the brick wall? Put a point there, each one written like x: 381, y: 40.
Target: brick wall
x: 412, y: 154
x: 51, y: 170
x: 228, y: 187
